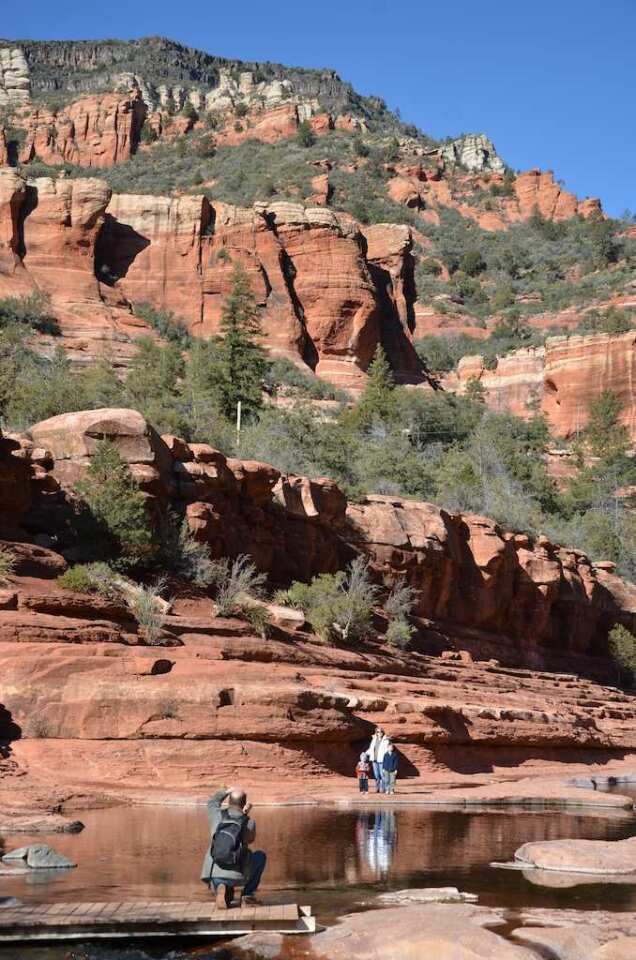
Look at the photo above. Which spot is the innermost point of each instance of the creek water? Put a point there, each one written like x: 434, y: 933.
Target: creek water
x: 625, y: 789
x: 335, y: 858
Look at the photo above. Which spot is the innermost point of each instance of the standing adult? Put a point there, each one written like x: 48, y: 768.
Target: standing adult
x: 375, y: 752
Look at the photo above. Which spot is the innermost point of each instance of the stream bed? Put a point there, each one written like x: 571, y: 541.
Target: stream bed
x: 335, y: 858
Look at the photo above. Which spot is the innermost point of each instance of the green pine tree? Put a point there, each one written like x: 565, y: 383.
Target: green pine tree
x: 378, y: 400
x: 152, y: 384
x: 475, y: 391
x: 201, y: 396
x: 242, y: 358
x: 118, y: 524
x: 608, y: 438
x: 102, y: 387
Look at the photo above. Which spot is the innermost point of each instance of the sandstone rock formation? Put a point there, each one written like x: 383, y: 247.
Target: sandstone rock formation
x: 325, y: 302
x: 389, y: 254
x: 452, y: 932
x: 274, y: 124
x: 489, y: 605
x: 577, y: 369
x: 537, y: 189
x: 12, y: 195
x: 15, y: 86
x: 97, y: 131
x: 429, y: 192
x: 15, y: 489
x: 48, y: 232
x: 59, y: 232
x: 581, y: 856
x: 475, y: 152
x: 528, y: 601
x: 560, y: 379
x: 465, y: 569
x: 150, y: 248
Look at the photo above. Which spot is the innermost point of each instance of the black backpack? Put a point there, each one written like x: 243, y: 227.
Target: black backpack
x: 228, y: 849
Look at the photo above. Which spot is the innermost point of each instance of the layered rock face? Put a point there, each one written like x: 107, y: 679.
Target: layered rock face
x: 151, y: 248
x: 427, y: 190
x: 388, y: 248
x: 324, y: 302
x: 578, y: 369
x: 475, y: 152
x: 12, y: 194
x: 531, y: 599
x: 61, y: 223
x: 82, y: 694
x: 97, y: 131
x: 48, y: 233
x: 15, y: 86
x: 468, y: 573
x: 560, y: 379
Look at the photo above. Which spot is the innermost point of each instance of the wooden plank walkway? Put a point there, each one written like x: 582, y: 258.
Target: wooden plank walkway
x: 76, y: 921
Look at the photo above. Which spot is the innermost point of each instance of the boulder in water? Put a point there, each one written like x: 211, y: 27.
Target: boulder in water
x: 580, y: 856
x: 38, y: 856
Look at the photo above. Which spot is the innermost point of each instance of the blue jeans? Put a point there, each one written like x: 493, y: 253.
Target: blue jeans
x: 377, y: 773
x: 258, y: 860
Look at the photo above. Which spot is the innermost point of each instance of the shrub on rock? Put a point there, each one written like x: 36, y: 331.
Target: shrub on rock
x: 339, y: 606
x: 236, y: 581
x: 7, y: 564
x: 116, y: 508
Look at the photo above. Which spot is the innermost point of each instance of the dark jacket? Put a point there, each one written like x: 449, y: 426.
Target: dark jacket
x: 215, y: 813
x: 390, y: 762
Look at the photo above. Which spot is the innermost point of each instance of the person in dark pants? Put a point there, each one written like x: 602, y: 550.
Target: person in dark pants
x: 389, y: 769
x: 362, y: 773
x: 231, y: 831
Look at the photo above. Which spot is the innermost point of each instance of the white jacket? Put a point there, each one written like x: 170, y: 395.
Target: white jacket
x: 374, y: 748
x: 377, y: 748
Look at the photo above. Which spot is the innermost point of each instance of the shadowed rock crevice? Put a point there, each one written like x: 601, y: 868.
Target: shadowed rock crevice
x: 117, y: 247
x: 9, y: 731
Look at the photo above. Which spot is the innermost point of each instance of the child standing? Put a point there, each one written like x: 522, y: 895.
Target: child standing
x: 389, y: 769
x: 362, y: 773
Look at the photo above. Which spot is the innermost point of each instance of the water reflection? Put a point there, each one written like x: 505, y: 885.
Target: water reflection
x: 376, y: 838
x: 328, y: 856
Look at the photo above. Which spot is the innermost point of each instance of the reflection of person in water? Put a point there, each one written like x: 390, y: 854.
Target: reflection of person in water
x: 376, y: 841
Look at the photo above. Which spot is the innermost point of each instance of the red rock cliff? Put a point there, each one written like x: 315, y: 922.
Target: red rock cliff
x: 96, y: 131
x: 561, y: 379
x: 533, y: 599
x: 88, y: 708
x: 324, y: 301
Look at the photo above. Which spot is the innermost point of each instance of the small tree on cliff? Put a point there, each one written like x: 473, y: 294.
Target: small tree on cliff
x: 117, y: 524
x: 305, y: 136
x: 622, y: 649
x: 607, y: 436
x: 242, y: 358
x: 378, y: 400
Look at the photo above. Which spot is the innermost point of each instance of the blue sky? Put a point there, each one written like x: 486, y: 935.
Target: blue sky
x: 552, y: 83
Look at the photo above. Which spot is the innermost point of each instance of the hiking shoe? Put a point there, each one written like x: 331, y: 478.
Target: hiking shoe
x: 222, y: 897
x: 252, y: 901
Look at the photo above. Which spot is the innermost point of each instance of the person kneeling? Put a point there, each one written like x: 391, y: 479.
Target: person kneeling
x: 228, y: 860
